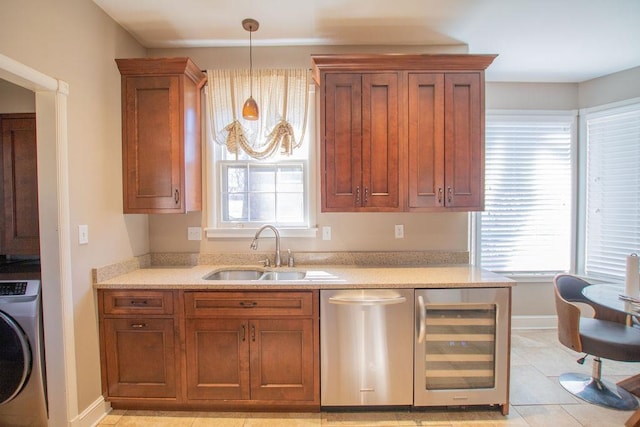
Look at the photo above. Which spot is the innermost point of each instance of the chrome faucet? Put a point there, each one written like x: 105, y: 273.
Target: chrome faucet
x: 254, y: 244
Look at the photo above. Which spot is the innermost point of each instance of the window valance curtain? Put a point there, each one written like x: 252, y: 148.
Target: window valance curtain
x: 282, y: 97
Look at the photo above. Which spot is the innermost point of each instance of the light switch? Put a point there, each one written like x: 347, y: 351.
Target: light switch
x: 83, y: 234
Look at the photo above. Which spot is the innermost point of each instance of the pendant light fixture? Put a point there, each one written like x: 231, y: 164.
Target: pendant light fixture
x: 250, y: 108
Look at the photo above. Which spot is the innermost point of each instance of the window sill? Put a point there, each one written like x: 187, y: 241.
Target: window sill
x: 243, y: 233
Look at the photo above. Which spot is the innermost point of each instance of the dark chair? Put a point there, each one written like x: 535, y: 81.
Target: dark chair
x: 603, y: 336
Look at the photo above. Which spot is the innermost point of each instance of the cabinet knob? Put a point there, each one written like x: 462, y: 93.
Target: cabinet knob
x: 449, y: 194
x: 440, y: 196
x: 358, y: 195
x: 366, y: 195
x: 176, y: 196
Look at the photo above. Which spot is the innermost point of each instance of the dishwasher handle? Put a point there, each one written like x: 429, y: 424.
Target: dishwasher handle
x: 422, y: 320
x: 366, y: 300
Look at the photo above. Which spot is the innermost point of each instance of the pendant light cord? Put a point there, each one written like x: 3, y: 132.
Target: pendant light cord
x: 250, y: 64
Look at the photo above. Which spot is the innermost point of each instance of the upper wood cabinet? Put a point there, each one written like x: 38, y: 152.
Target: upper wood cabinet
x: 445, y: 141
x: 20, y: 235
x: 161, y: 154
x: 360, y: 155
x: 433, y: 143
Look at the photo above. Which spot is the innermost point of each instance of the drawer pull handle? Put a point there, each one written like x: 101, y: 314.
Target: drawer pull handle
x: 244, y: 332
x: 253, y: 333
x: 139, y: 302
x: 138, y: 325
x: 246, y: 304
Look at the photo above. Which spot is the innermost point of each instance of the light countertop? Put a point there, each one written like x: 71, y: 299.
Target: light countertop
x: 317, y: 277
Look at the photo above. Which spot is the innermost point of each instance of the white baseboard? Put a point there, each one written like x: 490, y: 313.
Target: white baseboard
x: 91, y: 416
x: 534, y: 322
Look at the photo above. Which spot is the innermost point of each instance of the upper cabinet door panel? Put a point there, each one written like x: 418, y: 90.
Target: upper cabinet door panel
x: 161, y: 147
x: 342, y: 158
x: 426, y: 140
x: 20, y: 184
x: 153, y: 132
x: 464, y: 141
x: 380, y: 140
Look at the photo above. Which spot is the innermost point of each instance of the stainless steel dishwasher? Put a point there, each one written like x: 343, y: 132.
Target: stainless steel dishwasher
x: 366, y: 342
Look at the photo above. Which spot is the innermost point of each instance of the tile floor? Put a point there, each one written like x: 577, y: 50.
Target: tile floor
x: 537, y: 399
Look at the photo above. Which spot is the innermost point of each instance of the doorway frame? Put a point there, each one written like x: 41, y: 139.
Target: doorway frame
x: 55, y: 237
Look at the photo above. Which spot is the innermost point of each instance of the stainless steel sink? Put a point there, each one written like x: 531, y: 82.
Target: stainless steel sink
x: 252, y: 274
x: 234, y: 275
x: 283, y: 275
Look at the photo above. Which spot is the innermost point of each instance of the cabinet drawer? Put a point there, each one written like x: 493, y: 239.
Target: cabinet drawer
x: 137, y: 302
x: 201, y: 304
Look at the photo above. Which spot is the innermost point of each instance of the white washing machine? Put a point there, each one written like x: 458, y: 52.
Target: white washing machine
x: 23, y: 393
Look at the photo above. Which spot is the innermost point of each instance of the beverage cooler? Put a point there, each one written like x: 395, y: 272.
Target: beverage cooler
x: 462, y: 347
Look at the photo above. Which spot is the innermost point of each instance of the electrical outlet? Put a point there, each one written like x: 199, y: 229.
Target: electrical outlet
x: 194, y: 233
x: 326, y: 233
x: 399, y: 231
x: 83, y: 234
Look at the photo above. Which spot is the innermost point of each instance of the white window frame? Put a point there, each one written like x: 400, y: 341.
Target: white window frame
x: 474, y: 217
x: 582, y: 189
x: 216, y: 229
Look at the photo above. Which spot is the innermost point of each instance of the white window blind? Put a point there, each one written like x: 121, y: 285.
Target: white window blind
x: 526, y: 225
x: 612, y: 191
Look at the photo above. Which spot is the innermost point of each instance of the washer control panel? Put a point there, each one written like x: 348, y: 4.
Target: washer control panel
x: 13, y: 288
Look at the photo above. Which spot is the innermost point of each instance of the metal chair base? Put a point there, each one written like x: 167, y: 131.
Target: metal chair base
x: 599, y: 392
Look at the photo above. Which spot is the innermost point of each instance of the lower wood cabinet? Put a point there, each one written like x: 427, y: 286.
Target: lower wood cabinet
x: 257, y: 359
x: 139, y: 344
x: 210, y: 350
x: 257, y: 346
x: 140, y: 357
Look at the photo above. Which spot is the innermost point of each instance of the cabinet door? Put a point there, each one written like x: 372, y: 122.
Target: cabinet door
x: 20, y: 182
x: 217, y: 359
x: 342, y: 143
x: 426, y: 140
x: 464, y: 141
x: 140, y: 357
x: 276, y: 373
x: 152, y: 163
x: 380, y: 141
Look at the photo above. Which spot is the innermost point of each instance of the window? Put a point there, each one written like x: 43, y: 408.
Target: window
x: 262, y: 192
x: 259, y: 172
x: 253, y: 192
x: 527, y: 222
x: 612, y: 193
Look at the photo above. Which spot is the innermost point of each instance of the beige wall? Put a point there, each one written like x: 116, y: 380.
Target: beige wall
x: 614, y: 87
x: 73, y: 40
x: 16, y: 99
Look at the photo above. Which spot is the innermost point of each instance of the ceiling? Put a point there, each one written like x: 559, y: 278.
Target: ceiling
x: 537, y: 40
